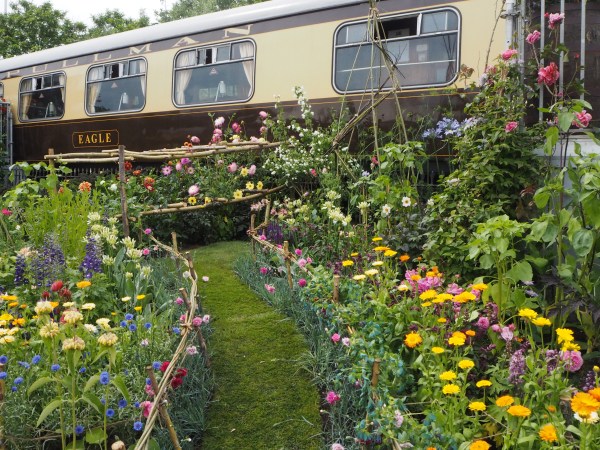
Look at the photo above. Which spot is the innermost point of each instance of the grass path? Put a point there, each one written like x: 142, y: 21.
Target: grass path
x: 262, y: 400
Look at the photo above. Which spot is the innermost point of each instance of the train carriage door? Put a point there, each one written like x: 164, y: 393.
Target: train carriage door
x: 6, y: 143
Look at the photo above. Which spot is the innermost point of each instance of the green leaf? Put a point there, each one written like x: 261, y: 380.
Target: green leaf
x: 48, y: 410
x: 573, y: 429
x: 521, y: 271
x: 583, y: 241
x: 95, y: 436
x: 486, y: 261
x: 541, y: 199
x: 91, y: 382
x: 565, y: 119
x: 119, y: 383
x: 93, y: 401
x: 153, y: 444
x: 79, y: 445
x: 551, y: 140
x: 39, y: 383
x: 591, y: 207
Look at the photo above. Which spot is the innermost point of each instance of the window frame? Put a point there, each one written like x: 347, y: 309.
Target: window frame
x: 419, y: 15
x: 105, y: 65
x: 214, y: 45
x: 1, y: 90
x: 42, y: 76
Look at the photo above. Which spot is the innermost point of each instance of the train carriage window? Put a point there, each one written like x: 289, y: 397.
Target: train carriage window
x: 217, y: 74
x: 421, y: 50
x: 1, y: 91
x: 42, y: 97
x: 116, y: 87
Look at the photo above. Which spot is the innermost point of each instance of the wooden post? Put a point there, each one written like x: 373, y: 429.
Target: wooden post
x: 375, y: 372
x: 125, y: 217
x: 336, y: 289
x: 252, y: 232
x: 288, y: 265
x: 203, y: 347
x: 174, y: 240
x: 162, y: 409
x: 184, y: 296
x: 267, y: 212
x: 190, y: 261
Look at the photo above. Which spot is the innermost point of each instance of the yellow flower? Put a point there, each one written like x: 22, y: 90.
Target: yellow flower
x: 43, y: 307
x: 250, y: 185
x: 244, y: 171
x: 451, y: 389
x: 415, y: 277
x: 103, y: 323
x: 402, y: 287
x: 192, y: 201
x: 427, y: 295
x: 49, y: 330
x: 6, y: 317
x: 359, y: 277
x: 437, y: 350
x: 505, y: 400
x: 442, y: 320
x: 470, y: 333
x: 137, y: 308
x: 371, y: 272
x: 390, y: 253
x: 68, y: 304
x: 519, y: 411
x: 441, y: 298
x: 207, y: 200
x: 479, y: 445
x: 18, y: 322
x: 541, y: 322
x: 7, y: 339
x: 584, y: 404
x: 88, y: 306
x: 108, y: 339
x: 404, y: 258
x: 595, y: 393
x: 477, y: 406
x: 347, y: 263
x: 83, y: 284
x: 75, y: 343
x: 377, y: 263
x: 527, y: 313
x: 449, y: 375
x: 426, y: 304
x: 238, y: 194
x: 354, y: 255
x: 412, y: 339
x: 381, y: 248
x: 570, y: 346
x: 141, y: 296
x: 547, y: 433
x: 480, y: 286
x: 259, y: 185
x: 13, y: 304
x: 457, y: 339
x: 72, y: 316
x: 8, y: 298
x: 464, y: 297
x: 466, y: 364
x: 564, y: 335
x: 483, y: 383
x: 377, y: 239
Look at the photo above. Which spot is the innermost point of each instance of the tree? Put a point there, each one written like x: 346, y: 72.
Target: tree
x: 29, y: 28
x: 114, y: 21
x: 188, y: 8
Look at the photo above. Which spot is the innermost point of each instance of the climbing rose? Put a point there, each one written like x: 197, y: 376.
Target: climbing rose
x: 555, y: 19
x: 508, y: 54
x: 583, y: 119
x: 533, y: 37
x: 510, y: 126
x: 548, y: 75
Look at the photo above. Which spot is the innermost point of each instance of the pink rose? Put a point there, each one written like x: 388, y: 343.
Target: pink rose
x: 572, y: 359
x: 263, y: 115
x: 195, y: 140
x: 236, y: 127
x: 533, y: 37
x: 555, y: 19
x: 508, y: 54
x: 510, y: 126
x: 583, y: 119
x: 548, y: 75
x: 197, y: 321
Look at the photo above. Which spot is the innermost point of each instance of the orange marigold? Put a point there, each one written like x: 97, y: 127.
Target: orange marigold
x: 479, y: 445
x: 404, y: 258
x: 584, y: 404
x: 547, y: 433
x: 595, y: 393
x: 519, y: 411
x: 85, y: 186
x: 505, y: 400
x: 412, y: 339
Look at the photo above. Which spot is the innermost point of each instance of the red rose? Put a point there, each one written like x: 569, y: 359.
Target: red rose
x: 56, y: 286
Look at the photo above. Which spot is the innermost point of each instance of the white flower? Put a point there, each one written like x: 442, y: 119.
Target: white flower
x: 387, y: 209
x: 430, y: 202
x: 592, y: 418
x: 93, y: 217
x: 406, y: 202
x: 113, y: 187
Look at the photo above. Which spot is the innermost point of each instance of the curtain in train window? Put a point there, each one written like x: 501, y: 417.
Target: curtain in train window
x: 42, y: 97
x: 415, y: 50
x: 216, y: 74
x: 116, y: 87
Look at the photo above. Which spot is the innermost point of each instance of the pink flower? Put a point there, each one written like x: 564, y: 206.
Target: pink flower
x: 205, y: 318
x: 148, y: 231
x: 555, y: 19
x: 508, y: 54
x: 190, y: 170
x: 496, y: 328
x: 548, y: 75
x: 533, y: 37
x: 236, y: 127
x: 263, y: 115
x: 302, y: 262
x: 183, y: 318
x: 166, y: 171
x: 309, y: 260
x: 178, y: 167
x: 398, y: 419
x: 6, y: 212
x: 185, y: 161
x: 335, y: 337
x: 146, y: 252
x: 193, y: 190
x: 148, y: 390
x: 298, y: 252
x: 313, y: 172
x: 191, y: 350
x: 346, y: 341
x: 232, y: 168
x: 179, y: 301
x: 197, y: 321
x: 252, y: 170
x: 337, y: 446
x: 572, y: 359
x: 270, y: 288
x: 510, y: 126
x: 217, y: 132
x: 205, y: 279
x: 583, y: 119
x: 506, y: 334
x: 264, y: 270
x: 302, y: 282
x: 262, y: 130
x: 483, y: 323
x: 195, y: 140
x: 262, y: 237
x: 332, y: 398
x: 146, y: 407
x: 219, y: 121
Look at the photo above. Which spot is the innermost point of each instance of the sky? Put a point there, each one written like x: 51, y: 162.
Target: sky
x: 82, y: 10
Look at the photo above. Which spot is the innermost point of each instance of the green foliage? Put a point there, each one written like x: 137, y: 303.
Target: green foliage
x: 181, y: 9
x: 114, y: 21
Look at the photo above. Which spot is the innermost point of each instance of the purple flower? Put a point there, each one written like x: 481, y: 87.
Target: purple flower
x: 516, y: 367
x: 398, y: 418
x: 507, y: 334
x: 92, y: 261
x: 185, y: 161
x: 147, y: 231
x: 166, y: 170
x: 483, y: 323
x: 302, y: 282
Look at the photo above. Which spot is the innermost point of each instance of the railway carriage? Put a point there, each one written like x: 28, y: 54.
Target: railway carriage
x: 151, y: 87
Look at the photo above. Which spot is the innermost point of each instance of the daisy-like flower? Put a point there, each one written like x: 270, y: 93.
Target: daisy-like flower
x: 519, y: 411
x: 377, y: 263
x: 412, y: 339
x: 83, y: 284
x: 541, y: 322
x: 584, y: 404
x: 479, y: 445
x: 259, y: 185
x: 457, y: 339
x: 449, y: 375
x: 451, y: 389
x: 192, y: 201
x: 564, y: 335
x: 428, y: 294
x: 437, y: 350
x: 406, y: 202
x: 477, y: 406
x: 390, y: 253
x: 359, y: 277
x: 238, y: 194
x: 483, y: 383
x: 404, y: 258
x: 371, y: 272
x: 466, y: 364
x: 88, y: 306
x: 548, y: 433
x: 386, y: 210
x: 347, y: 263
x: 527, y: 313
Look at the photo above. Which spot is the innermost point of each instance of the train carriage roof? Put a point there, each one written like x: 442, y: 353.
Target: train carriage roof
x: 207, y: 22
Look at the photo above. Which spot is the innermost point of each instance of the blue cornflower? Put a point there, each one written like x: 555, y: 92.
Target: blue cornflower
x: 125, y: 371
x: 24, y: 364
x: 122, y: 403
x: 133, y: 327
x: 55, y: 367
x: 136, y: 404
x: 103, y: 401
x: 176, y: 330
x: 137, y: 426
x: 110, y: 412
x: 148, y: 381
x: 128, y: 316
x: 123, y: 323
x: 156, y: 365
x: 3, y: 375
x: 147, y: 325
x: 3, y: 359
x: 82, y: 370
x: 14, y: 389
x: 79, y: 429
x: 104, y: 378
x: 36, y: 359
x: 18, y: 380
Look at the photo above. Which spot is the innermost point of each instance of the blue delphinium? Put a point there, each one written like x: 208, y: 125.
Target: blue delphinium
x: 20, y: 271
x: 92, y: 262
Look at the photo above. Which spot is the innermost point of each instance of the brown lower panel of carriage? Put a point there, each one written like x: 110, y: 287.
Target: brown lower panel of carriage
x: 171, y: 128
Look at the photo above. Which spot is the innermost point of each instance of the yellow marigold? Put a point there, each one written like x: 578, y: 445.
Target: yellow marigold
x: 404, y: 258
x: 477, y: 406
x: 54, y: 304
x: 354, y: 254
x: 7, y: 339
x: 584, y: 404
x: 359, y: 277
x: 450, y: 389
x: 426, y: 304
x: 72, y: 316
x: 192, y: 200
x: 381, y: 248
x: 390, y: 253
x: 437, y: 350
x: 470, y: 333
x: 347, y: 263
x: 483, y: 383
x: 519, y: 411
x: 6, y: 317
x: 137, y: 308
x: 108, y: 339
x: 441, y: 298
x: 547, y: 433
x: 18, y: 322
x: 49, y: 330
x: 479, y: 286
x: 466, y: 364
x: 377, y: 263
x: 377, y: 239
x: 449, y: 375
x: 457, y: 339
x: 415, y: 277
x: 479, y: 445
x: 570, y: 346
x: 442, y: 320
x: 505, y: 400
x: 527, y: 313
x: 541, y: 322
x: 74, y: 343
x: 83, y: 284
x: 371, y: 272
x: 551, y: 408
x: 412, y: 339
x: 13, y: 304
x: 564, y: 335
x: 464, y: 297
x: 595, y: 393
x: 141, y: 297
x: 428, y: 294
x: 8, y: 297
